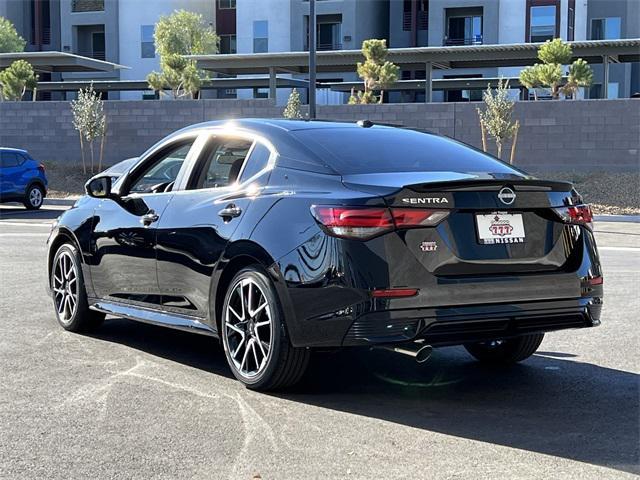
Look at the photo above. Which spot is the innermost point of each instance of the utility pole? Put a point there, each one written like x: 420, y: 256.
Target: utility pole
x: 312, y: 59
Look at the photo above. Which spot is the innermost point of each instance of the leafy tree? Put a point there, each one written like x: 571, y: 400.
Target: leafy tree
x: 529, y: 79
x: 580, y: 75
x: 550, y: 75
x: 10, y: 41
x: 90, y: 121
x: 376, y: 71
x: 553, y: 55
x: 292, y: 109
x: 497, y: 117
x: 181, y: 33
x: 555, y: 51
x: 16, y: 80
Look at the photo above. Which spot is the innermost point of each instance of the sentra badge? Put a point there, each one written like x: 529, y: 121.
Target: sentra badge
x: 425, y: 200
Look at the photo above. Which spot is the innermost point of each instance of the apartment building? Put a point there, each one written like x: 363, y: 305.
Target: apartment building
x: 283, y: 25
x: 612, y: 19
x: 38, y: 22
x: 120, y: 31
x: 415, y: 23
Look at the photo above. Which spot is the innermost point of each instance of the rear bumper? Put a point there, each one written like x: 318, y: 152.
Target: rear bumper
x: 459, y: 325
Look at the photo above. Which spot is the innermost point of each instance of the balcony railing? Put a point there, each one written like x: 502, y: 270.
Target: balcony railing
x: 78, y: 6
x: 423, y: 20
x: 92, y: 54
x: 475, y: 40
x: 329, y: 46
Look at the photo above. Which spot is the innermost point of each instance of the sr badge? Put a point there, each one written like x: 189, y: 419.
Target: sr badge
x: 428, y: 246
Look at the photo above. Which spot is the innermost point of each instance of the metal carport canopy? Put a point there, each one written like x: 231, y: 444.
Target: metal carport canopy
x: 51, y: 62
x: 473, y: 56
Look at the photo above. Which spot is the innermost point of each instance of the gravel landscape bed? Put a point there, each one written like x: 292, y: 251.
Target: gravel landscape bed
x: 608, y: 193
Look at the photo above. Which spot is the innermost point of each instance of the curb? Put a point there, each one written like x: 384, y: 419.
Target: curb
x: 617, y: 218
x: 65, y: 202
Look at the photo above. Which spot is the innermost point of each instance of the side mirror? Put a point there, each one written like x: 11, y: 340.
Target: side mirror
x: 99, y: 187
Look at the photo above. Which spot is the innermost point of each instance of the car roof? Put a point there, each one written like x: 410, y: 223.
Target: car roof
x: 9, y: 149
x: 271, y: 125
x: 292, y: 153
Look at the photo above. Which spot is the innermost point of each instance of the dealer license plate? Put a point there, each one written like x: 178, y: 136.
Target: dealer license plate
x: 500, y: 227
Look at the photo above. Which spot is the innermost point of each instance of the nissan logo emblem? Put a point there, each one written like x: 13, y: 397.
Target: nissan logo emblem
x: 507, y: 196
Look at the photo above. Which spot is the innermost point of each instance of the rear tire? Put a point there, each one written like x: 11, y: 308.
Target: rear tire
x: 34, y: 197
x: 69, y: 294
x: 254, y: 334
x: 506, y: 351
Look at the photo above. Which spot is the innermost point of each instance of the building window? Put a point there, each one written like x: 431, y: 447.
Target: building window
x: 260, y: 93
x: 328, y: 32
x: 613, y: 90
x: 571, y: 20
x: 606, y: 28
x: 147, y: 45
x: 464, y: 26
x: 543, y: 21
x: 422, y: 15
x: 228, y: 44
x: 79, y: 6
x: 260, y: 36
x: 226, y: 4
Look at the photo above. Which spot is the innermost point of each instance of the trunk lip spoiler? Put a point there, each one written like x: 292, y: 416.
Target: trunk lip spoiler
x: 460, y: 183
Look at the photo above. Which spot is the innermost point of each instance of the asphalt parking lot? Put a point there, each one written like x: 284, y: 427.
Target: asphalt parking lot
x: 137, y: 401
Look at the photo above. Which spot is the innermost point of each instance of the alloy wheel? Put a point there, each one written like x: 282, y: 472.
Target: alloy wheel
x: 248, y: 328
x: 65, y: 286
x: 35, y: 197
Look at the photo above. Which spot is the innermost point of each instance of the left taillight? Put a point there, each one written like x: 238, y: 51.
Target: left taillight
x: 41, y: 167
x: 366, y: 222
x: 576, y: 214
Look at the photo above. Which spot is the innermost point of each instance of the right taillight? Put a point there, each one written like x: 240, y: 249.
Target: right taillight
x: 366, y: 222
x: 576, y: 214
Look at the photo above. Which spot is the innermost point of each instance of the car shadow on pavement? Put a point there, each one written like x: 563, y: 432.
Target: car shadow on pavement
x: 551, y: 404
x: 197, y: 351
x: 21, y: 213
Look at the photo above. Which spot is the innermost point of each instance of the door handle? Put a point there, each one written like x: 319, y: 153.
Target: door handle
x: 230, y: 211
x: 149, y: 218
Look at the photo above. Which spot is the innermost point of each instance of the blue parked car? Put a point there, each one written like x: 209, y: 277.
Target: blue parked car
x: 22, y: 179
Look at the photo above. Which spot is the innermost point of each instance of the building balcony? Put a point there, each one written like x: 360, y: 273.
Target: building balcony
x: 422, y: 24
x: 328, y: 46
x: 475, y: 40
x: 97, y: 55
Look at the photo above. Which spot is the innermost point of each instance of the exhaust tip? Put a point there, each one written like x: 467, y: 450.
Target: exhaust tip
x: 424, y: 354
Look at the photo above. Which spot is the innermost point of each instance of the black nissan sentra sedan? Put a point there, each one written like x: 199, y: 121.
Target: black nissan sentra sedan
x: 279, y: 236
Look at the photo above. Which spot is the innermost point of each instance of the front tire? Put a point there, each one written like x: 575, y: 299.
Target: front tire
x: 34, y: 197
x: 254, y: 334
x: 69, y: 294
x: 508, y: 351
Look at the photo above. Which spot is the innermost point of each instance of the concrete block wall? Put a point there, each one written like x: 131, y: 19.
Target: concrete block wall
x: 561, y: 135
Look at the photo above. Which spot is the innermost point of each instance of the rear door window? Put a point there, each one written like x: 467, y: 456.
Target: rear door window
x: 221, y: 162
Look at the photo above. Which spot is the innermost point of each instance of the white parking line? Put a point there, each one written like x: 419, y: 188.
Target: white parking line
x: 621, y: 249
x: 25, y: 224
x: 43, y: 234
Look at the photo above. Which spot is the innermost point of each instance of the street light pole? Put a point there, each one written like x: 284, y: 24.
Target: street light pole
x: 312, y: 59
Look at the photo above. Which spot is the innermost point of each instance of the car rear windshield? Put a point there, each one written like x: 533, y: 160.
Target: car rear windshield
x: 352, y: 151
